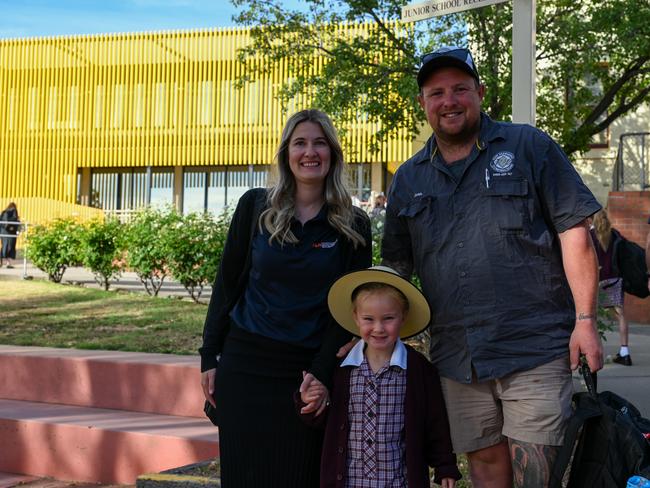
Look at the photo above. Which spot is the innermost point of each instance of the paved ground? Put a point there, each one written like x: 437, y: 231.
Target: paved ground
x: 81, y: 276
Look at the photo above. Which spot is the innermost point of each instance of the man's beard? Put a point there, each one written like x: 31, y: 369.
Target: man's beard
x: 466, y: 134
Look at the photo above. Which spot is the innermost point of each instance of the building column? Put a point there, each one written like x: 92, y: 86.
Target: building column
x: 178, y: 188
x: 84, y: 191
x: 377, y: 177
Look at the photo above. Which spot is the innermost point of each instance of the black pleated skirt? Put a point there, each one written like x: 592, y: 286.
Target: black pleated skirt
x: 262, y: 441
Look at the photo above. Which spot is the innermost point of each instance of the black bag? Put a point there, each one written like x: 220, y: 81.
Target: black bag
x: 11, y: 228
x: 611, y: 446
x: 630, y: 260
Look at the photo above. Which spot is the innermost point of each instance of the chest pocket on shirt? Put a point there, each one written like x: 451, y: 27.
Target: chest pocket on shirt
x: 508, y: 202
x: 420, y: 217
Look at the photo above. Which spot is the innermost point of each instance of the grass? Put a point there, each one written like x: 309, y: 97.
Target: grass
x: 39, y: 313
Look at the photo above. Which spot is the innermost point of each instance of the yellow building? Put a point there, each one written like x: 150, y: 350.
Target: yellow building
x: 120, y: 121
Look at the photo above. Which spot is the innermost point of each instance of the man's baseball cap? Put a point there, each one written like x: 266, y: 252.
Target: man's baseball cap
x: 455, y: 57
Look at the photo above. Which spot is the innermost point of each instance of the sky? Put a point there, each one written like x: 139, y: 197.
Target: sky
x: 38, y: 18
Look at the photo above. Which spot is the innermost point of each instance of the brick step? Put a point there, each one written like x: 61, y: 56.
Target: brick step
x: 154, y: 383
x: 98, y: 445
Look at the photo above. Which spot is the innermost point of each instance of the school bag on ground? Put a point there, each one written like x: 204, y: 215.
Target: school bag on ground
x: 606, y: 437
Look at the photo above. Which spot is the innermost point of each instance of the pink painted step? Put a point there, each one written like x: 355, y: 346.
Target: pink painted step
x: 155, y: 383
x: 98, y: 445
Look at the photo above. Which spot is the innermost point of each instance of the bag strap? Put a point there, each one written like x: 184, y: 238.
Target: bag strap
x: 577, y: 420
x: 591, y: 379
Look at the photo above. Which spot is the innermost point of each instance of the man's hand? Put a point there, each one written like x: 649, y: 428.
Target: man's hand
x: 585, y: 340
x: 207, y: 384
x: 346, y: 348
x: 314, y: 394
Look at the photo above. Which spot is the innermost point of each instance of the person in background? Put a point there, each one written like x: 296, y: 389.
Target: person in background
x: 492, y: 217
x: 379, y: 205
x: 610, y: 285
x: 9, y: 225
x: 647, y: 255
x: 268, y: 322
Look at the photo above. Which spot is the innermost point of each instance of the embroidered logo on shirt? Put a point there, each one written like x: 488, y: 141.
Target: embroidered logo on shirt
x: 502, y: 162
x: 324, y: 245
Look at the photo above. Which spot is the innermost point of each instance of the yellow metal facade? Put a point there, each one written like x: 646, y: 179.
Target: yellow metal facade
x: 137, y: 100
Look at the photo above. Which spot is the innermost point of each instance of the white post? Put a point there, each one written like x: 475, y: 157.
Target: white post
x: 524, y: 30
x: 25, y: 226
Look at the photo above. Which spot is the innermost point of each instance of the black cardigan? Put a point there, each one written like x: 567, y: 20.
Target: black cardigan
x: 426, y: 428
x: 232, y: 278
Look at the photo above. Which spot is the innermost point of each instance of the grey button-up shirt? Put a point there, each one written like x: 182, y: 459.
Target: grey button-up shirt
x: 486, y: 249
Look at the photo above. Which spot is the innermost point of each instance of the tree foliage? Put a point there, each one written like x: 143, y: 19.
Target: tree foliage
x: 194, y: 244
x: 54, y: 247
x: 593, y: 60
x: 147, y: 238
x: 102, y: 244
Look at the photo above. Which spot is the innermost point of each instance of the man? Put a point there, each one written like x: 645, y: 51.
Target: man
x: 492, y: 218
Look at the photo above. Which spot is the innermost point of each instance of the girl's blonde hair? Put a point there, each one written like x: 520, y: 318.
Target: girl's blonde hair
x: 374, y: 287
x: 276, y: 219
x: 603, y: 229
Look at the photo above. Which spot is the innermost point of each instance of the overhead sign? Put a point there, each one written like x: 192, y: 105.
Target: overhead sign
x: 434, y: 8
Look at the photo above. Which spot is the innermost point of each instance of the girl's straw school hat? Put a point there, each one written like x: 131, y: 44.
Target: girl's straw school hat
x: 339, y: 299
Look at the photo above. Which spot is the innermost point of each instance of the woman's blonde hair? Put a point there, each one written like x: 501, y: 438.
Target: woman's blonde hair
x: 276, y: 219
x: 602, y: 228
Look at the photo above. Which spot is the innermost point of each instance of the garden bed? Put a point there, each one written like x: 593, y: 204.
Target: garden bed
x: 197, y: 475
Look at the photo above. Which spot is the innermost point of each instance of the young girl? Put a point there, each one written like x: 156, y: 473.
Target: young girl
x: 386, y: 423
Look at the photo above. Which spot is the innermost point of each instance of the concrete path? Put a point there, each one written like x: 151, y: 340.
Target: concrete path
x: 630, y: 382
x: 81, y: 276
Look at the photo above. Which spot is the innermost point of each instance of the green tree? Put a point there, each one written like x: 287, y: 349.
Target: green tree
x: 146, y: 244
x: 593, y: 60
x: 54, y: 247
x: 102, y: 244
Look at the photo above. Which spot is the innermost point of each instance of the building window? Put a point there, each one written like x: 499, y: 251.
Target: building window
x: 162, y: 187
x: 128, y: 189
x: 212, y: 189
x: 360, y: 180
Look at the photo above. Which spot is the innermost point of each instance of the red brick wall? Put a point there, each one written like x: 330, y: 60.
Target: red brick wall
x: 629, y: 212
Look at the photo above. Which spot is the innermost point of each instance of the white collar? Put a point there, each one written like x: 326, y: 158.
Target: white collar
x: 355, y: 356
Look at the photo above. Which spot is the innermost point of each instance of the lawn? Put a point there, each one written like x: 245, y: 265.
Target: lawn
x: 39, y: 313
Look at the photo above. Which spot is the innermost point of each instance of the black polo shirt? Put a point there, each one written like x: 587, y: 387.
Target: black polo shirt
x: 286, y: 295
x: 486, y: 248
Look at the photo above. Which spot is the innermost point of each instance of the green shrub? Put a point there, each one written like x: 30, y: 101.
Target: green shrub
x: 102, y: 244
x: 194, y: 246
x: 146, y: 244
x: 54, y: 247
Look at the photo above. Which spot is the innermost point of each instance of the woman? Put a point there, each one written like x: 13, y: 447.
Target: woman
x: 9, y: 224
x: 610, y: 282
x: 268, y: 319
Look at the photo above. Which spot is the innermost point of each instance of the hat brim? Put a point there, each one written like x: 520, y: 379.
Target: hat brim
x: 444, y: 62
x: 339, y: 300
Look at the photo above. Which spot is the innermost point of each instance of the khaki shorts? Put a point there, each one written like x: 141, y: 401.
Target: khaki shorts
x: 530, y: 406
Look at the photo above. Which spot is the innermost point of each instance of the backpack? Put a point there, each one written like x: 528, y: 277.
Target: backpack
x: 606, y: 437
x: 629, y: 258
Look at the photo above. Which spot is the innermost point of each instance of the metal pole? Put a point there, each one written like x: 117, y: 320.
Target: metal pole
x: 524, y: 31
x: 643, y: 172
x: 25, y: 252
